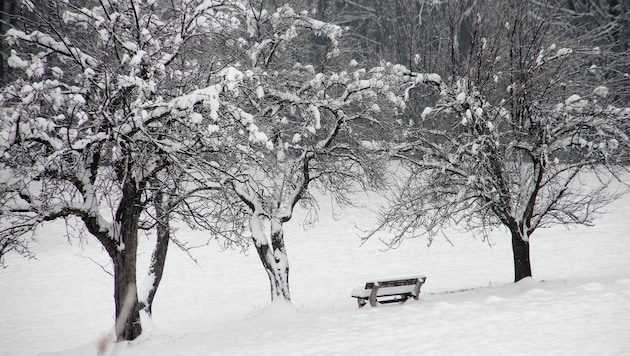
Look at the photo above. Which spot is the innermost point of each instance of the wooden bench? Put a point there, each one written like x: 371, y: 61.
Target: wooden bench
x: 401, y: 289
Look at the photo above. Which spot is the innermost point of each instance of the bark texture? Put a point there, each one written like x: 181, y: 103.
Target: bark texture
x: 122, y: 245
x: 520, y: 248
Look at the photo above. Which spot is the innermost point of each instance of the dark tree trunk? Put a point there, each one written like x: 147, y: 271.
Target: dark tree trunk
x: 124, y: 282
x: 122, y: 244
x: 7, y: 13
x: 158, y: 258
x: 520, y: 248
x: 124, y: 258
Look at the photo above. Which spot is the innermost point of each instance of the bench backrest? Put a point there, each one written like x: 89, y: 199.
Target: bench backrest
x: 395, y: 283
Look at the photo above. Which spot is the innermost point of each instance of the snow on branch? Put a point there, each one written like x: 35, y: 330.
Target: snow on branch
x: 48, y: 42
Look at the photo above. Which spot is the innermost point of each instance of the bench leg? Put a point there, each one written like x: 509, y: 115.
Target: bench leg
x: 361, y: 302
x: 416, y: 290
x: 373, y: 295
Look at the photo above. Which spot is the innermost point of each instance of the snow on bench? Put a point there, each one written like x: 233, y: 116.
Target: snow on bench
x: 402, y: 288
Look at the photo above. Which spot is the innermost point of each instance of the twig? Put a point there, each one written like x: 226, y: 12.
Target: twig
x: 98, y: 264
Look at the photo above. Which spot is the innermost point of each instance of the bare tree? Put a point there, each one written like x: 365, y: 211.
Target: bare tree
x: 513, y: 131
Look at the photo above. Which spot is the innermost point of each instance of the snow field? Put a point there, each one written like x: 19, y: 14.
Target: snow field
x: 576, y: 304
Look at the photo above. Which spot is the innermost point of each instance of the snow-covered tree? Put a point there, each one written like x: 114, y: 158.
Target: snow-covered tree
x: 99, y: 125
x: 510, y: 136
x: 294, y: 125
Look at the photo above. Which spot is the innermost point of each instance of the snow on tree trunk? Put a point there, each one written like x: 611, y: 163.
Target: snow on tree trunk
x: 520, y: 248
x: 273, y: 256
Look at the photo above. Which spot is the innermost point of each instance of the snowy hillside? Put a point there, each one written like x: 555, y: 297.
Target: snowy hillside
x: 61, y: 303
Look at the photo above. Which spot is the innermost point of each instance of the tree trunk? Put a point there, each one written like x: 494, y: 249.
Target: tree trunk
x: 124, y: 258
x: 158, y: 258
x: 274, y: 259
x: 520, y: 248
x: 121, y: 244
x: 124, y: 282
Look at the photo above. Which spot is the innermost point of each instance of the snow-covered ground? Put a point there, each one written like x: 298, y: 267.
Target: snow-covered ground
x: 578, y: 302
